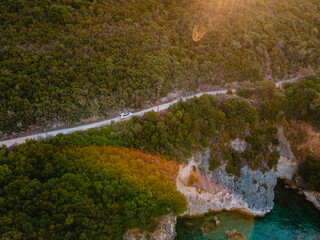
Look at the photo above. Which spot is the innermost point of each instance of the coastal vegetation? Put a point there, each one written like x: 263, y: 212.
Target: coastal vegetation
x: 303, y: 100
x: 86, y: 185
x: 199, y: 123
x: 49, y: 192
x: 303, y: 103
x: 188, y: 127
x: 310, y: 170
x: 68, y: 60
x: 297, y: 101
x: 297, y: 104
x: 64, y: 61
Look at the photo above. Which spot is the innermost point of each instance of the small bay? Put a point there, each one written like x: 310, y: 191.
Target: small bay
x: 291, y: 218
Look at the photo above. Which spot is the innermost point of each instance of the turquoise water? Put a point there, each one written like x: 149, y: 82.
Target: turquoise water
x: 292, y: 218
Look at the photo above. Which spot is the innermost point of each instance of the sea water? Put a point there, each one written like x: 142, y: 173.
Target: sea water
x: 291, y: 218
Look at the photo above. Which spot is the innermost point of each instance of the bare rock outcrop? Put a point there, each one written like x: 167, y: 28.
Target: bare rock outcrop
x: 217, y: 190
x: 238, y: 145
x: 207, y: 196
x: 287, y: 164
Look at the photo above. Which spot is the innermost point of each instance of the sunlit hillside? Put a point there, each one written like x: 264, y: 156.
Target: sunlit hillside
x: 69, y: 60
x: 83, y: 193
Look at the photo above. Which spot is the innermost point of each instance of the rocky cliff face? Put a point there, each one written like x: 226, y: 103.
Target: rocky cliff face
x: 287, y: 164
x: 287, y: 167
x: 252, y: 192
x: 253, y: 187
x: 217, y: 190
x: 206, y: 196
x: 213, y: 191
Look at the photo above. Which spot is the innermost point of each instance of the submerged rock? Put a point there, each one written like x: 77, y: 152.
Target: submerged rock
x: 165, y: 231
x: 218, y: 223
x: 235, y: 234
x: 211, y: 225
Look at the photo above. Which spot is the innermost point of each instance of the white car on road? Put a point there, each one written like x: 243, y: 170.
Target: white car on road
x: 125, y: 115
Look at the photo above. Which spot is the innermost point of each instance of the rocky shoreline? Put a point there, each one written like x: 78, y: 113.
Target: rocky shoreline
x: 214, y: 191
x: 297, y: 185
x: 217, y: 191
x: 287, y: 170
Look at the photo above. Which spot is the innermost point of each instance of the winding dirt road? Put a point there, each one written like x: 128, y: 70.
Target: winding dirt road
x: 21, y: 140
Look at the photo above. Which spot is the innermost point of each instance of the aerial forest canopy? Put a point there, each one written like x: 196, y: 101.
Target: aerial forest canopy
x: 189, y: 127
x: 85, y: 185
x: 49, y: 192
x: 67, y: 60
x: 77, y: 187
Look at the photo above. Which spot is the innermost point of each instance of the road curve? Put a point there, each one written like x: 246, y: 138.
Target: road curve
x: 292, y: 80
x: 39, y: 136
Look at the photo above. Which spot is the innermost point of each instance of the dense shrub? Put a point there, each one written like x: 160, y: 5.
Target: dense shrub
x: 189, y: 127
x: 245, y: 92
x: 73, y: 187
x: 64, y: 60
x: 83, y: 193
x: 310, y: 171
x: 303, y: 100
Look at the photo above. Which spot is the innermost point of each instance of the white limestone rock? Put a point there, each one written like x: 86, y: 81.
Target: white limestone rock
x: 217, y: 191
x: 286, y: 168
x: 238, y: 145
x: 313, y: 197
x: 287, y: 164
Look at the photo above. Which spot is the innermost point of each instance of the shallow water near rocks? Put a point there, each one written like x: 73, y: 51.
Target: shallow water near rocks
x: 291, y: 218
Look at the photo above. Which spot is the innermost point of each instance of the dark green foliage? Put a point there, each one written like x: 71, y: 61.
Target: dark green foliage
x: 239, y: 109
x: 188, y: 127
x: 240, y: 115
x: 49, y: 192
x: 214, y: 163
x: 303, y: 100
x: 265, y: 186
x: 265, y: 91
x: 60, y: 14
x: 64, y: 60
x: 272, y: 110
x: 262, y: 143
x: 273, y: 159
x: 55, y: 190
x: 229, y: 92
x: 268, y: 97
x: 105, y: 136
x: 233, y: 165
x: 310, y: 171
x: 245, y: 92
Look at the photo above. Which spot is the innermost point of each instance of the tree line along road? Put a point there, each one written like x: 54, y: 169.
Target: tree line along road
x: 164, y: 106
